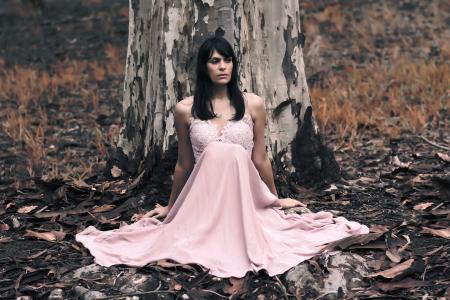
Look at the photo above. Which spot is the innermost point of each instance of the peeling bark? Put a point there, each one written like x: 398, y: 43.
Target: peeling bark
x: 266, y: 35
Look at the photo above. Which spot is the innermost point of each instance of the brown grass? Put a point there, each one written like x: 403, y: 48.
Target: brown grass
x: 23, y: 90
x: 406, y: 96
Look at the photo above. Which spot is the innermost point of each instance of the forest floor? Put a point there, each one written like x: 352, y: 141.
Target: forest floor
x: 379, y: 78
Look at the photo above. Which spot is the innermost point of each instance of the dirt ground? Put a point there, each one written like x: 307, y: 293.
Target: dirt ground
x: 61, y: 75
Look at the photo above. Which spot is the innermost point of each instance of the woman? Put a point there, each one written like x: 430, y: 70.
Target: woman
x: 223, y: 211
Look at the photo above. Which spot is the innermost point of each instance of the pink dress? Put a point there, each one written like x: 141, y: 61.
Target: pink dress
x: 225, y: 217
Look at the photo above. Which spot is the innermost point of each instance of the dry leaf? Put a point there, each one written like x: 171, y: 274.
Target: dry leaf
x: 167, y: 264
x: 379, y: 228
x: 50, y: 236
x: 104, y: 220
x: 408, y: 242
x: 236, y: 285
x: 360, y: 239
x: 332, y: 188
x: 174, y: 285
x: 116, y: 171
x: 440, y: 212
x: 394, y: 271
x: 443, y: 156
x: 16, y: 223
x: 26, y: 209
x: 444, y: 233
x: 423, y: 206
x: 404, y: 284
x: 393, y: 255
x: 419, y: 179
x: 36, y: 255
x: 5, y: 227
x: 396, y: 162
x: 103, y: 208
x: 81, y: 184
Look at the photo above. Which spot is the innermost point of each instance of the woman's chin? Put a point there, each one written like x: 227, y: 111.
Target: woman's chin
x: 221, y: 82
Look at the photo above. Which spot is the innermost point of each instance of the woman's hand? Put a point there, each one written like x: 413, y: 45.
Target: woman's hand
x: 289, y: 202
x: 159, y: 211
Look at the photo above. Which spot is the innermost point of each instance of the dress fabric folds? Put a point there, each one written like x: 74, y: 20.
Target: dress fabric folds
x: 225, y: 217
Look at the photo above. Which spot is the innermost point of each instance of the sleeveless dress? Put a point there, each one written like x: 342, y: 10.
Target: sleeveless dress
x: 225, y: 217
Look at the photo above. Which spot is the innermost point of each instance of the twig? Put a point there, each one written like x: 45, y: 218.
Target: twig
x: 135, y: 294
x: 325, y: 294
x: 433, y: 143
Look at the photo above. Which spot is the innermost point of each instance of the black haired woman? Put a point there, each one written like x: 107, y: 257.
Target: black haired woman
x: 223, y: 212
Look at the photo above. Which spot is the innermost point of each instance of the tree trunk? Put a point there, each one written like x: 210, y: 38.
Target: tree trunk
x: 163, y: 39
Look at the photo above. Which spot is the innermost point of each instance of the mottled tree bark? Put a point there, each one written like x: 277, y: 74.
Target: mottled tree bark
x: 266, y: 35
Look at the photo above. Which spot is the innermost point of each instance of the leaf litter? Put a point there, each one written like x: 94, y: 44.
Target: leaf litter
x: 400, y: 187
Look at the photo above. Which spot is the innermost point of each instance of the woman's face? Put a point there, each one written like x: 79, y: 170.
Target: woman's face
x: 219, y: 68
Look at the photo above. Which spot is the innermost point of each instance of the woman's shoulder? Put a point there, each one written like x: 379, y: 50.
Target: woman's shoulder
x: 188, y: 101
x: 183, y: 107
x: 252, y: 98
x: 254, y: 101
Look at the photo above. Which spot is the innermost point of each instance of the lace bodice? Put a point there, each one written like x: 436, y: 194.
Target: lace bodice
x: 202, y: 132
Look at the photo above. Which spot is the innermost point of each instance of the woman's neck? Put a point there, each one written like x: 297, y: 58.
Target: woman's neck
x: 220, y: 93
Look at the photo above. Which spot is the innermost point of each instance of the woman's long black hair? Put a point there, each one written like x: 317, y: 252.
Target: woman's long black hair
x: 202, y: 106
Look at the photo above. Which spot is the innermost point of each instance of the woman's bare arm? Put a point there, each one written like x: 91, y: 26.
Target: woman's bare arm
x: 185, y: 161
x: 259, y: 154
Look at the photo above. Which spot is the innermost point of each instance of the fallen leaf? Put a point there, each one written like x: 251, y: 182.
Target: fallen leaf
x: 404, y: 284
x: 445, y: 157
x: 174, y: 285
x: 396, y: 162
x: 440, y: 212
x: 235, y: 287
x: 419, y: 179
x: 360, y: 239
x: 104, y: 220
x: 444, y: 233
x: 379, y: 228
x: 61, y: 213
x: 5, y: 227
x: 103, y: 208
x: 165, y: 263
x: 433, y: 252
x: 36, y: 255
x: 375, y: 264
x: 16, y: 223
x: 393, y: 255
x: 332, y: 188
x: 81, y: 184
x: 394, y: 271
x: 423, y: 206
x: 50, y: 236
x: 26, y: 209
x: 116, y: 171
x: 408, y: 242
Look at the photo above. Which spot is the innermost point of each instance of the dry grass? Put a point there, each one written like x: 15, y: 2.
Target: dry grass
x: 396, y: 75
x: 24, y: 93
x: 403, y: 97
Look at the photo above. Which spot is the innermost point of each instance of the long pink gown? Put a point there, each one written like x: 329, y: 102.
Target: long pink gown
x: 225, y: 218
